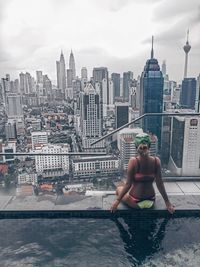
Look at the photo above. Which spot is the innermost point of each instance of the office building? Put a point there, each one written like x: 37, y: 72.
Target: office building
x: 127, y: 79
x: 121, y: 114
x: 91, y: 118
x: 197, y: 99
x: 185, y: 146
x: 151, y: 96
x: 188, y: 93
x: 116, y: 84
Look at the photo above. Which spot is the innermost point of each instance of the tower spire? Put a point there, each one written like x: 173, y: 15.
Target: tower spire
x: 186, y: 49
x: 187, y: 36
x: 152, y: 52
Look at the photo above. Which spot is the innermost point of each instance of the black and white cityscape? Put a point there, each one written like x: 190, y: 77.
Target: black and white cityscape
x: 43, y: 117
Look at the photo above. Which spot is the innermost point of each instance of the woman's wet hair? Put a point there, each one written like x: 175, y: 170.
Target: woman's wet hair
x: 142, y: 139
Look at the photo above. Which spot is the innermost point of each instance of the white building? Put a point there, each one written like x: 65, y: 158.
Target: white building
x: 39, y: 138
x: 20, y: 127
x: 126, y: 145
x: 51, y: 162
x: 27, y: 178
x: 185, y: 146
x: 89, y: 167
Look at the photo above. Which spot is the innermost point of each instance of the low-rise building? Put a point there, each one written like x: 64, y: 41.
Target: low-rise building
x: 50, y: 161
x: 89, y: 167
x: 27, y: 178
x: 39, y: 137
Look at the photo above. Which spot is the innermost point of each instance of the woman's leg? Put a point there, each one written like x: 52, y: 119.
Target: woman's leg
x: 127, y: 199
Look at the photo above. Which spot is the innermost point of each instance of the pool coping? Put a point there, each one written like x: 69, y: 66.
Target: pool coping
x: 92, y: 207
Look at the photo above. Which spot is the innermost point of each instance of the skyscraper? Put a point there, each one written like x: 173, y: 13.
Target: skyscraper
x: 84, y: 73
x: 91, y: 119
x: 39, y: 77
x: 116, y: 84
x: 197, y: 100
x: 99, y: 74
x: 185, y: 146
x: 121, y: 114
x: 13, y: 105
x: 188, y: 93
x: 61, y: 74
x: 151, y: 96
x: 186, y: 49
x: 72, y: 65
x: 127, y: 79
x: 47, y: 87
x: 164, y: 69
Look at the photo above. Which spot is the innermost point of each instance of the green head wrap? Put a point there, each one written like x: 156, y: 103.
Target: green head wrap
x: 142, y: 139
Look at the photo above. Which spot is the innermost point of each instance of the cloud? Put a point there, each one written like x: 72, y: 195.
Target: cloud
x: 169, y: 9
x: 111, y: 33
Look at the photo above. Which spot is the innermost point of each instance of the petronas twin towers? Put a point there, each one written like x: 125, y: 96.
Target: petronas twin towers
x: 62, y: 81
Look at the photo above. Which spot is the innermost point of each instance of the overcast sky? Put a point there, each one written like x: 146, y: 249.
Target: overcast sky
x: 111, y: 33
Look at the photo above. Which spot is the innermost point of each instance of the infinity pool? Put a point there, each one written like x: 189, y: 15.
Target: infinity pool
x: 100, y: 242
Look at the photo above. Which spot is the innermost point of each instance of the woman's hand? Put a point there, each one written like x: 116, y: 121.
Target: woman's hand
x: 114, y: 206
x: 170, y: 207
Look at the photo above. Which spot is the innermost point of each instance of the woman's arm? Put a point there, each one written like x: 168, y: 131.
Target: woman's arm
x: 161, y: 187
x: 127, y: 185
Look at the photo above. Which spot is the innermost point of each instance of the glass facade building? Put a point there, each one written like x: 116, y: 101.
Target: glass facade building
x: 188, y: 93
x: 151, y: 97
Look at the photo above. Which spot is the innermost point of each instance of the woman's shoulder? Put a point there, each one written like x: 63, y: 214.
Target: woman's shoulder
x: 155, y: 158
x: 132, y: 161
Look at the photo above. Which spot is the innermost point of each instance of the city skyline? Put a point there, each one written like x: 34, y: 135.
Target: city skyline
x: 30, y: 42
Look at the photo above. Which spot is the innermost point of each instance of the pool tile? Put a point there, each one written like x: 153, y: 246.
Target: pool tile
x: 188, y: 187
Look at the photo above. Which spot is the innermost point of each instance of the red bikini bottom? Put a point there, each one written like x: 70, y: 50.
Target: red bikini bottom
x: 136, y: 200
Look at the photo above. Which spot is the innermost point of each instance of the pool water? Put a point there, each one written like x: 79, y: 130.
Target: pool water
x: 100, y: 242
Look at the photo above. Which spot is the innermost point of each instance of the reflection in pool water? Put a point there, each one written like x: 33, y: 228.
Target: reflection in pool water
x: 100, y: 242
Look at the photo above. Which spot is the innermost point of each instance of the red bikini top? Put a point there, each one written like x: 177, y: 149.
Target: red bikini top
x: 141, y: 177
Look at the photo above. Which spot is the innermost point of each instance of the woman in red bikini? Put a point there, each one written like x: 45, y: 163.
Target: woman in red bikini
x: 138, y: 191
